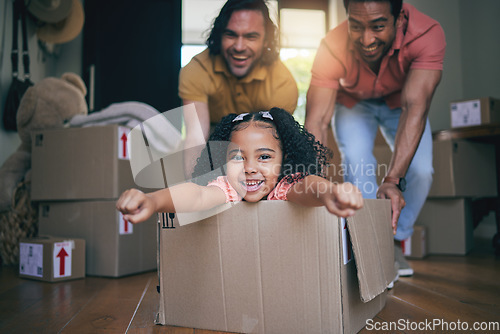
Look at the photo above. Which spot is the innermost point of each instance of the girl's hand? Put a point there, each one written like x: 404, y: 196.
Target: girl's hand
x: 343, y: 200
x: 135, y: 206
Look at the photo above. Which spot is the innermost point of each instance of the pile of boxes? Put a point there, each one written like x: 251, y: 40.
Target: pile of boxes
x: 463, y: 170
x: 77, y: 176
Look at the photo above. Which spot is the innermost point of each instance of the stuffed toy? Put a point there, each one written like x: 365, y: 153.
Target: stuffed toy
x: 49, y: 104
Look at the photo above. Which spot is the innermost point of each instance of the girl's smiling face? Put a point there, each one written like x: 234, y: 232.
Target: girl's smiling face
x: 254, y: 160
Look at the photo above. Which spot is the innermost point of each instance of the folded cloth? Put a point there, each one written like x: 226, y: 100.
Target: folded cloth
x: 131, y: 114
x: 128, y: 114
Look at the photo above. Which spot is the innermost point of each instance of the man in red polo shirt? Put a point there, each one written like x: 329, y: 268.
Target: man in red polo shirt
x: 380, y: 68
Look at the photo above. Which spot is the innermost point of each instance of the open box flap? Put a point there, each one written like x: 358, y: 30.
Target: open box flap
x: 372, y: 241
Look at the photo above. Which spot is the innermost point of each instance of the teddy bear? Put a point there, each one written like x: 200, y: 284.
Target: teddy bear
x: 49, y: 104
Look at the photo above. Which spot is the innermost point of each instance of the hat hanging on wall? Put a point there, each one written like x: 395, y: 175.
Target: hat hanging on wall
x: 50, y: 11
x: 64, y: 29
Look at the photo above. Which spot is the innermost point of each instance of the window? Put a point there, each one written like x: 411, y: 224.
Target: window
x: 301, y: 31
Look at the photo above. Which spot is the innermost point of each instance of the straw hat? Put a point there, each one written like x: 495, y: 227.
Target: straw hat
x: 49, y: 10
x: 65, y: 30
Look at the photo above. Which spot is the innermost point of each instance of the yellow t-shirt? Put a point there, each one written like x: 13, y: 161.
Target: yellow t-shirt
x: 207, y: 79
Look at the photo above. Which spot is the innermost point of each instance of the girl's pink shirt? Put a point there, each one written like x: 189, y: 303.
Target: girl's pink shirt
x: 278, y: 193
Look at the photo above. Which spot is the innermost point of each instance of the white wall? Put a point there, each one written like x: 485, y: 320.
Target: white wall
x: 447, y: 13
x: 480, y: 48
x: 64, y: 58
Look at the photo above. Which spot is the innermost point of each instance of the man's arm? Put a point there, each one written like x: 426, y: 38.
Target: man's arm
x: 416, y: 99
x: 319, y: 111
x: 197, y: 131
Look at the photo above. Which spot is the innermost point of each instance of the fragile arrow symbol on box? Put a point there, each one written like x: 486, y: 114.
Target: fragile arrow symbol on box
x: 123, y: 138
x: 61, y: 255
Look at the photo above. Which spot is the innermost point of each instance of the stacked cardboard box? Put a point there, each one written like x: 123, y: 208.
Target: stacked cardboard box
x: 481, y: 111
x: 276, y: 267
x: 77, y: 176
x: 462, y: 170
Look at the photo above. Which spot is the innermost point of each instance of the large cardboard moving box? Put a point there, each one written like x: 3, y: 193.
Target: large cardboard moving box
x: 114, y: 247
x: 80, y: 163
x: 463, y: 168
x: 51, y: 259
x: 449, y: 225
x: 276, y: 267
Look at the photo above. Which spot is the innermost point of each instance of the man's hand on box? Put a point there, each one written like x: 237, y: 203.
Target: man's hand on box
x: 392, y: 192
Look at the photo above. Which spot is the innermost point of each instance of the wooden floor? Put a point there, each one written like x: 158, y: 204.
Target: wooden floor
x: 451, y: 288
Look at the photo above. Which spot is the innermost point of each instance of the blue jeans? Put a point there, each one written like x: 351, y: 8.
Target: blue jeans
x: 355, y: 130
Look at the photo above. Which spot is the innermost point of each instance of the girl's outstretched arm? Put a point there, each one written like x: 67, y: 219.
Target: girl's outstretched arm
x: 341, y: 199
x: 137, y: 206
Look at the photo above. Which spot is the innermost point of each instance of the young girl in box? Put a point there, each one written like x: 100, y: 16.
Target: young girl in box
x: 265, y: 155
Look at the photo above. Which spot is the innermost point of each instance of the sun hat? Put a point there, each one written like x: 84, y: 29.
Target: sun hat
x: 65, y: 30
x: 50, y: 11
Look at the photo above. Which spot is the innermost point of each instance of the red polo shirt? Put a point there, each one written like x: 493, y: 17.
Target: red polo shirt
x: 419, y: 44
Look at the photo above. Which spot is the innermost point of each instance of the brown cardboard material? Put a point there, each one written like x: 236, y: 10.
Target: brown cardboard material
x: 383, y: 154
x: 80, y: 163
x: 51, y: 259
x: 381, y: 151
x: 113, y: 248
x: 449, y: 225
x: 472, y: 112
x: 463, y: 168
x: 415, y: 247
x: 276, y: 267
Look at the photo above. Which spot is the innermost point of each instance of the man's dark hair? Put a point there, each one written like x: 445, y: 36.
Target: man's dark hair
x: 396, y: 6
x: 271, y: 44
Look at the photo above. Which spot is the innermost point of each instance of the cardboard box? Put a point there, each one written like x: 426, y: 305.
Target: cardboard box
x: 463, y: 168
x: 415, y: 247
x: 485, y: 110
x: 276, y: 267
x: 114, y: 247
x: 80, y: 163
x: 383, y: 154
x: 449, y: 225
x: 381, y: 151
x: 51, y: 259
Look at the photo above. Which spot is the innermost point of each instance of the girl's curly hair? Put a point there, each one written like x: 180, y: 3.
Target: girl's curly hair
x: 302, y: 153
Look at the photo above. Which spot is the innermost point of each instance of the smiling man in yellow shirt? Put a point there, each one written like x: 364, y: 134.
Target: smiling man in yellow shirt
x: 239, y: 72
